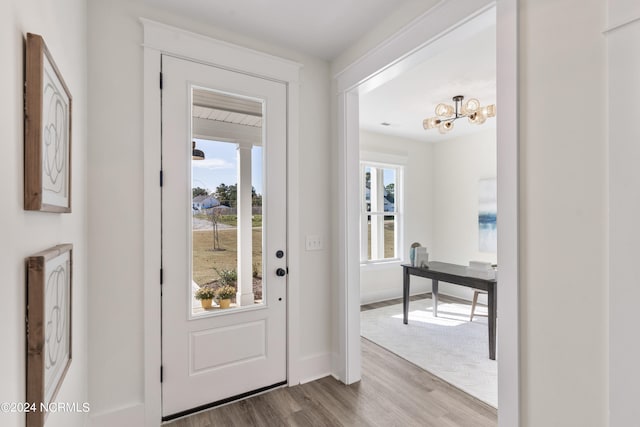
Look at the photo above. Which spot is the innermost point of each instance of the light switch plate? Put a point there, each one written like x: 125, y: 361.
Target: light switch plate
x: 314, y: 243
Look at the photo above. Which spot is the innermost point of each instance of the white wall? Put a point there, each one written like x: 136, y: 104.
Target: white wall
x: 116, y: 213
x: 563, y: 193
x: 441, y: 205
x: 380, y: 282
x: 458, y: 166
x: 563, y: 213
x: 22, y: 233
x: 624, y: 199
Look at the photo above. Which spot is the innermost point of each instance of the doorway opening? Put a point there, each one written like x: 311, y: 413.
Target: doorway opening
x: 416, y: 42
x: 438, y: 208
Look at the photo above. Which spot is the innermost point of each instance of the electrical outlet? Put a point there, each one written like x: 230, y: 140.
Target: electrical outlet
x: 314, y: 243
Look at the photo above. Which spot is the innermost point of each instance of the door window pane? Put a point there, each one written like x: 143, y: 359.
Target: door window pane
x: 226, y: 200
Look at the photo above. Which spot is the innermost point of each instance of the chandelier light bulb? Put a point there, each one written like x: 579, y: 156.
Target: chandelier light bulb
x: 491, y: 110
x: 444, y: 110
x: 431, y: 123
x: 472, y: 106
x: 482, y: 116
x: 445, y: 127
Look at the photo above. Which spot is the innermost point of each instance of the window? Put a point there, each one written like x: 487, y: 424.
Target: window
x: 380, y: 219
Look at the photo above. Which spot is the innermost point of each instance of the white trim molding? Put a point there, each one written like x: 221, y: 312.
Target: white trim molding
x: 161, y: 39
x: 196, y: 47
x: 314, y: 367
x: 133, y: 415
x: 508, y: 178
x: 627, y: 22
x: 411, y: 45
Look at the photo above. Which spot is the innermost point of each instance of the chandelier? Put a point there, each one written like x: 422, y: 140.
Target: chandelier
x: 447, y: 114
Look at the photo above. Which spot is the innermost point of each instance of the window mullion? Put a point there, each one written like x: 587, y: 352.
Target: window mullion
x: 377, y: 221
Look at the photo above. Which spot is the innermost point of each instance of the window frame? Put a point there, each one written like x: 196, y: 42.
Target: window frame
x: 398, y: 213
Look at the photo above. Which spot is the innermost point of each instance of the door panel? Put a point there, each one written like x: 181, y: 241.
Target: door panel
x: 209, y: 355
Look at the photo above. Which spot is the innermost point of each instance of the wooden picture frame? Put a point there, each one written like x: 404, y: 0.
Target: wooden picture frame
x: 49, y: 285
x: 47, y: 142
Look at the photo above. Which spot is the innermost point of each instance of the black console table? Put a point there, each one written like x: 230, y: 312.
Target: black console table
x: 458, y: 275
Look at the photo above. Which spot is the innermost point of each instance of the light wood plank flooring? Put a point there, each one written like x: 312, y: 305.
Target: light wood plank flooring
x: 393, y: 392
x: 441, y: 298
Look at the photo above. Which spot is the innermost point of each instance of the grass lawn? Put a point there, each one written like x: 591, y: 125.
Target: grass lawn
x: 256, y: 220
x: 205, y: 258
x: 389, y: 242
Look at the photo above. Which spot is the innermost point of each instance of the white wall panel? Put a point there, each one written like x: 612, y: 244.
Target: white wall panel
x: 624, y: 202
x: 63, y: 27
x: 563, y: 213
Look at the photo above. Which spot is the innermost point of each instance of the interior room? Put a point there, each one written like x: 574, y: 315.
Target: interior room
x: 435, y: 180
x: 105, y: 214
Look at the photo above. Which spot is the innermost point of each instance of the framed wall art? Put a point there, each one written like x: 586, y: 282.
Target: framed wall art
x: 49, y: 284
x: 47, y: 142
x: 487, y: 215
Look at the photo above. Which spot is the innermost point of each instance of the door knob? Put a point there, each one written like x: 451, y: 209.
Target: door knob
x: 281, y: 272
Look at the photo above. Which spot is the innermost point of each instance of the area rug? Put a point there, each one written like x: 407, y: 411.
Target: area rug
x: 448, y: 346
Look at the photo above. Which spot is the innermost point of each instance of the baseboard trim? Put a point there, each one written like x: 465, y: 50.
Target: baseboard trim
x: 314, y: 367
x: 128, y: 416
x: 387, y: 294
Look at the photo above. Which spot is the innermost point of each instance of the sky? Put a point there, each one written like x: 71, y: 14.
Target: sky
x: 220, y: 165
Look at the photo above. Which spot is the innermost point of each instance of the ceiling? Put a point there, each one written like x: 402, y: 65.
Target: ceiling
x: 322, y: 28
x: 467, y: 68
x: 216, y: 106
x: 327, y: 28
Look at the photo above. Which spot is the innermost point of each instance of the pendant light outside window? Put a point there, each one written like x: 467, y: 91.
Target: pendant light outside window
x: 196, y: 154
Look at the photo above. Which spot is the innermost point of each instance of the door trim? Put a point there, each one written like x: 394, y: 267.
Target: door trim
x: 374, y: 68
x: 162, y: 39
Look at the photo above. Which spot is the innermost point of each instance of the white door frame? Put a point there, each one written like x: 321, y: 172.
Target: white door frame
x: 164, y: 39
x: 407, y: 46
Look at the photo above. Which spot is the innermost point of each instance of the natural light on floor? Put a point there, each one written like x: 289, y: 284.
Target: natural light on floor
x: 449, y: 346
x: 448, y: 315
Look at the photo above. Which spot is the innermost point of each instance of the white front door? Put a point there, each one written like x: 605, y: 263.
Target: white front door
x: 237, y: 235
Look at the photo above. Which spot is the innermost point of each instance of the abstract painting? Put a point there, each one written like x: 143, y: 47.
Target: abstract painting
x: 487, y: 215
x: 49, y: 275
x: 47, y: 168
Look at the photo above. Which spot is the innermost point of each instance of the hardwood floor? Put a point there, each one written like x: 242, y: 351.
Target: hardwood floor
x: 443, y: 298
x: 394, y: 301
x: 393, y: 392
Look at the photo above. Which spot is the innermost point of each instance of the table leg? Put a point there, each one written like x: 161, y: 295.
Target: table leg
x: 405, y: 296
x: 492, y: 300
x: 434, y: 296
